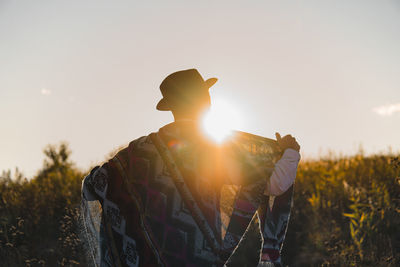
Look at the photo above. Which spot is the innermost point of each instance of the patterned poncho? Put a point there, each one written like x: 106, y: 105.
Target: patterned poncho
x: 175, y: 199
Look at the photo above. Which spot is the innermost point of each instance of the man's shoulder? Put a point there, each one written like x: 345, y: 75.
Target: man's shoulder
x: 136, y: 147
x: 140, y: 142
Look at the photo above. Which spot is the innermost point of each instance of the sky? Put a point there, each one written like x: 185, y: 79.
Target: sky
x: 88, y: 72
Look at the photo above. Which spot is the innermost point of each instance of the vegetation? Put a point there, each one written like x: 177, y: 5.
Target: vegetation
x: 346, y: 212
x: 38, y: 217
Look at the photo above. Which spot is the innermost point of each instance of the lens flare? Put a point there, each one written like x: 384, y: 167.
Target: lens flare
x: 220, y: 120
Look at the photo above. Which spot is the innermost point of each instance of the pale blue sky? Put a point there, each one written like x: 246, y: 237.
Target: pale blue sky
x: 88, y: 72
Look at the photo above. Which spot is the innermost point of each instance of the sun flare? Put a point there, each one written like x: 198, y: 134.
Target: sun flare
x: 220, y: 121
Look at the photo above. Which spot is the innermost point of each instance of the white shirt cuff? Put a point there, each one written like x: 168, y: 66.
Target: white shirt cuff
x: 284, y: 173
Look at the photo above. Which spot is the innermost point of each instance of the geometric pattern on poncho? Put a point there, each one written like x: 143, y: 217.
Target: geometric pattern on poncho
x: 147, y: 223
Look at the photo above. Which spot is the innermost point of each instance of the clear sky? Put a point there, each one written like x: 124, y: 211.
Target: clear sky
x: 88, y: 72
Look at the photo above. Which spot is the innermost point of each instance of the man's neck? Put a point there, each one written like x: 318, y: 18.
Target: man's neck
x: 186, y: 118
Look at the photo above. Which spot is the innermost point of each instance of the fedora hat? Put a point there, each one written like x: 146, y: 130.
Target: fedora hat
x: 183, y: 87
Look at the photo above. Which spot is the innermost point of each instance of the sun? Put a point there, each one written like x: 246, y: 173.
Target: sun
x: 220, y: 120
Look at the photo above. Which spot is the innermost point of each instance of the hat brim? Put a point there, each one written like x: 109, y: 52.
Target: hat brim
x: 163, y: 104
x: 210, y: 82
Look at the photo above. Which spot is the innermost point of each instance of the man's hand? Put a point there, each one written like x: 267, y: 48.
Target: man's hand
x: 287, y: 141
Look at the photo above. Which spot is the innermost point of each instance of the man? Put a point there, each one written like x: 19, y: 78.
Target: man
x: 163, y: 197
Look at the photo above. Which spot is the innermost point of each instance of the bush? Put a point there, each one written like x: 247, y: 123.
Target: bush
x: 38, y: 217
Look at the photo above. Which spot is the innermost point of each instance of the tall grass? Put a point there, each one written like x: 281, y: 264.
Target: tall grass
x: 346, y: 212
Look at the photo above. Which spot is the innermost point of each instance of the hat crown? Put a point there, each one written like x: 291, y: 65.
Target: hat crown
x: 182, y: 80
x: 185, y: 86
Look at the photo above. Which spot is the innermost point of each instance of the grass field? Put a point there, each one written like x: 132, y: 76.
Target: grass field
x: 346, y: 213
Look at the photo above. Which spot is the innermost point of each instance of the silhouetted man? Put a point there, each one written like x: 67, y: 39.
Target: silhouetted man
x: 163, y: 197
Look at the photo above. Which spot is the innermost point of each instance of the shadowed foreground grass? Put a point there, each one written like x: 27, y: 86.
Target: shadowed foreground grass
x: 346, y: 212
